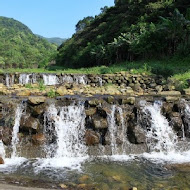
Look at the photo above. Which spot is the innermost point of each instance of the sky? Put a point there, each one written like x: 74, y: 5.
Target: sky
x: 51, y: 18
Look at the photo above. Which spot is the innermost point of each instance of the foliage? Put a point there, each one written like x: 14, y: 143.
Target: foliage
x: 52, y: 93
x: 131, y: 30
x: 20, y: 48
x: 41, y: 85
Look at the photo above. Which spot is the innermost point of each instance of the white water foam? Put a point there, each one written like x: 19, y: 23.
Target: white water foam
x: 68, y: 124
x: 160, y: 136
x: 9, y: 80
x: 117, y: 131
x: 50, y: 79
x: 80, y: 79
x: 15, y: 139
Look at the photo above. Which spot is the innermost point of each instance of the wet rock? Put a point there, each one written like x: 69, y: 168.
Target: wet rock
x: 172, y: 98
x: 187, y: 91
x: 140, y: 135
x: 95, y: 102
x: 62, y: 91
x: 28, y: 122
x: 91, y: 111
x: 24, y: 93
x: 84, y: 178
x: 36, y: 100
x: 129, y: 100
x: 176, y: 121
x: 92, y: 137
x: 1, y: 161
x: 37, y: 110
x: 38, y: 139
x: 7, y: 136
x: 63, y: 186
x: 170, y: 93
x: 99, y: 122
x: 110, y: 99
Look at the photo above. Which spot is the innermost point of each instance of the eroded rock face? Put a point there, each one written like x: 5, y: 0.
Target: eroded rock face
x: 38, y: 139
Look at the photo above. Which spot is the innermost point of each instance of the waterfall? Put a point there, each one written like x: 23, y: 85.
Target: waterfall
x: 187, y: 115
x: 68, y: 122
x: 15, y: 139
x: 160, y: 136
x: 80, y: 79
x: 67, y: 79
x: 50, y: 79
x: 9, y: 80
x: 117, y: 131
x: 2, y: 150
x: 100, y: 81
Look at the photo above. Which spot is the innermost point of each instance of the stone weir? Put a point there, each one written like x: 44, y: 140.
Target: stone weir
x: 122, y: 83
x: 75, y: 126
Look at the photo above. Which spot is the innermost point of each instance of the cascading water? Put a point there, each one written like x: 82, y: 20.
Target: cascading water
x: 80, y: 79
x: 117, y: 132
x: 2, y: 150
x: 187, y: 114
x: 100, y: 81
x: 67, y: 79
x: 160, y: 136
x: 68, y: 123
x: 9, y: 80
x: 15, y: 139
x: 50, y: 79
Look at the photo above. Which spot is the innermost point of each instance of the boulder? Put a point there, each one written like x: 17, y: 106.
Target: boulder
x: 128, y: 100
x: 187, y: 91
x: 62, y: 91
x: 99, y: 122
x: 92, y: 137
x: 170, y: 93
x: 28, y: 122
x: 24, y: 93
x: 90, y: 111
x: 38, y: 139
x: 35, y: 100
x: 1, y: 160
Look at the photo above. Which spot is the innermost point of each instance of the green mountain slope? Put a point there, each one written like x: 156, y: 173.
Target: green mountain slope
x: 130, y: 30
x: 54, y: 40
x: 19, y: 47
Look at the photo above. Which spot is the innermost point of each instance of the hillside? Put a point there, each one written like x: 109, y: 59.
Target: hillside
x: 54, y: 40
x: 19, y: 47
x: 131, y: 30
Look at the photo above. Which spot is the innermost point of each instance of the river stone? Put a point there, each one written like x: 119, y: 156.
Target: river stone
x: 99, y: 122
x: 90, y: 111
x: 172, y: 98
x: 38, y: 139
x: 187, y: 91
x: 62, y: 91
x: 35, y: 100
x: 170, y: 93
x: 7, y: 136
x: 1, y: 161
x: 29, y: 122
x: 24, y: 93
x: 129, y: 100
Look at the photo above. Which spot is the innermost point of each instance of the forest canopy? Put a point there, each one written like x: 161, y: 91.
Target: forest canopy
x: 130, y: 30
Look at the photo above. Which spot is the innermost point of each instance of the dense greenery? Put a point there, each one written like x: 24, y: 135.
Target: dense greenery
x: 130, y: 30
x: 20, y: 48
x: 55, y: 40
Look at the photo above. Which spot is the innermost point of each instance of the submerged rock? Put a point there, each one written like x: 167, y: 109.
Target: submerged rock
x: 1, y: 161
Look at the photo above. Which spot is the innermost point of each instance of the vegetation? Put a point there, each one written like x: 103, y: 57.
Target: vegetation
x: 20, y: 48
x: 132, y: 30
x: 54, y: 40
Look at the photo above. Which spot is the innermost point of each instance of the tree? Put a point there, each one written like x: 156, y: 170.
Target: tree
x: 84, y: 23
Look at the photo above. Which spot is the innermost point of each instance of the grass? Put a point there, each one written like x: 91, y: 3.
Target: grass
x: 177, y: 67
